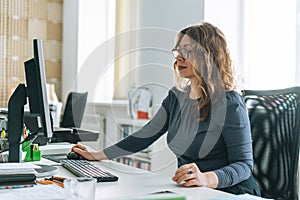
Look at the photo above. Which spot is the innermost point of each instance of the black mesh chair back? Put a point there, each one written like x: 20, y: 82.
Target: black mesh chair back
x: 274, y: 117
x: 74, y: 110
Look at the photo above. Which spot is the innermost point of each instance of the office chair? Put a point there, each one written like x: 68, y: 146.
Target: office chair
x: 274, y: 117
x: 74, y: 110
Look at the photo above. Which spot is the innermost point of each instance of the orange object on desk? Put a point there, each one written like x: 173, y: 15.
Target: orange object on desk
x: 49, y: 182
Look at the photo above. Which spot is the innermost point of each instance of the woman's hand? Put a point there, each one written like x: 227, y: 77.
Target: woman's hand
x: 192, y: 176
x: 85, y: 153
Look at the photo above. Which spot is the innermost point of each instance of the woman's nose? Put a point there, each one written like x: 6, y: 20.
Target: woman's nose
x: 179, y: 58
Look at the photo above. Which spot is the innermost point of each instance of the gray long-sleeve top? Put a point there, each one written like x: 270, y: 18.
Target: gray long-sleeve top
x: 221, y: 144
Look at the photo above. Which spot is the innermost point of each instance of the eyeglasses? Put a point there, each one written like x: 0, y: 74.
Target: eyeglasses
x: 184, y: 53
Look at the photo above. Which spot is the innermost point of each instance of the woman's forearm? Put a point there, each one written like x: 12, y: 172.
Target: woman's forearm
x: 100, y: 155
x: 212, y: 179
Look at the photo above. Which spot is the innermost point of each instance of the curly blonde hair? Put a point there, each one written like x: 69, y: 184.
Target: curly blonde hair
x: 212, y: 65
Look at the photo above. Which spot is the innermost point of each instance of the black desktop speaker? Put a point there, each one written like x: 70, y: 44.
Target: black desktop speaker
x: 74, y: 110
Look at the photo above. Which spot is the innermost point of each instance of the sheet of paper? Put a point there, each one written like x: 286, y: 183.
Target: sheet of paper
x: 4, y: 166
x: 243, y: 196
x: 45, y: 192
x: 18, y: 168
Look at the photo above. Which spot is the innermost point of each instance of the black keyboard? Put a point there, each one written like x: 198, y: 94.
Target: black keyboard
x: 83, y: 168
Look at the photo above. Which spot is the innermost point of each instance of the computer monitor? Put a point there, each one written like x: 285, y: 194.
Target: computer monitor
x: 37, y: 88
x: 36, y: 92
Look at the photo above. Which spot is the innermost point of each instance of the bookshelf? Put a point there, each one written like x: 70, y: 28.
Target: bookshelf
x: 143, y: 159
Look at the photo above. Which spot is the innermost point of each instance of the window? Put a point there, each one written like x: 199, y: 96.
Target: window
x: 96, y: 27
x: 270, y: 44
x: 261, y: 36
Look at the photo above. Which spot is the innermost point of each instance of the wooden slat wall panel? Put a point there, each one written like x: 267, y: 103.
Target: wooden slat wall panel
x: 20, y: 22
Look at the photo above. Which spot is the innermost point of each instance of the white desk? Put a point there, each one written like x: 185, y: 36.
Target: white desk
x: 135, y: 182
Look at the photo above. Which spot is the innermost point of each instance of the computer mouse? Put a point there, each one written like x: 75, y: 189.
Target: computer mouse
x: 73, y: 155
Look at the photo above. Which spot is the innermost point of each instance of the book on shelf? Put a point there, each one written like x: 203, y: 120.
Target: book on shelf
x: 146, y: 165
x: 127, y: 130
x: 141, y: 159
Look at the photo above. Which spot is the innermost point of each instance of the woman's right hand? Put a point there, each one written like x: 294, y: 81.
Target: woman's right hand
x: 85, y: 153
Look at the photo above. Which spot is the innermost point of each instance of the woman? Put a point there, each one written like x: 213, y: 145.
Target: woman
x: 204, y: 117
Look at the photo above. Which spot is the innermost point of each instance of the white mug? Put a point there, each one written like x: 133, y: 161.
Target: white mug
x: 83, y: 188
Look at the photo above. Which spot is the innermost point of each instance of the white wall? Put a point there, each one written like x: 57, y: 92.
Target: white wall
x: 157, y: 23
x: 70, y: 44
x: 261, y: 37
x: 152, y: 63
x: 227, y: 16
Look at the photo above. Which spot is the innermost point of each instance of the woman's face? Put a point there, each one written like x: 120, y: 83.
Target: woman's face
x: 185, y: 66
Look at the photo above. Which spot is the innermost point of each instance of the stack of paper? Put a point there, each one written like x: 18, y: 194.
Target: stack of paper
x: 17, y: 168
x: 17, y: 175
x: 45, y: 192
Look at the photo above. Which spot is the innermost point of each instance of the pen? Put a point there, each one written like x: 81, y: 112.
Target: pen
x: 49, y: 182
x: 162, y: 192
x: 58, y: 178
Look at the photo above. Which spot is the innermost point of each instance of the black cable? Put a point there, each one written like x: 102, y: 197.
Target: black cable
x: 4, y: 150
x: 30, y: 137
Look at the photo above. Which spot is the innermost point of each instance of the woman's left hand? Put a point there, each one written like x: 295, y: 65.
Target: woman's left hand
x: 192, y: 176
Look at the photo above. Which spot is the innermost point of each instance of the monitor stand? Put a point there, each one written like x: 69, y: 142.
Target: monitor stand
x: 15, y: 124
